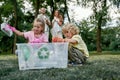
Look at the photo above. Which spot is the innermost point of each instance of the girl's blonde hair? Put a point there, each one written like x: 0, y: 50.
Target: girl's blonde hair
x: 40, y: 22
x: 70, y: 27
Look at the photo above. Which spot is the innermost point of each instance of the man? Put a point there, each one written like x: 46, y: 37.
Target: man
x: 46, y: 20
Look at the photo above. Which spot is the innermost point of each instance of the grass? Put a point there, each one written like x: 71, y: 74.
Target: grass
x: 105, y: 66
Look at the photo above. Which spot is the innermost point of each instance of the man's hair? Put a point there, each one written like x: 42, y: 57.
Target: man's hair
x: 40, y: 10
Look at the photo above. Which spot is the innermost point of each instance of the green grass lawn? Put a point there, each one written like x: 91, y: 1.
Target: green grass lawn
x: 105, y: 66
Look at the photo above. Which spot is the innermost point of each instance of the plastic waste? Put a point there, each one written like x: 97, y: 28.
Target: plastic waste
x: 42, y: 55
x: 5, y: 28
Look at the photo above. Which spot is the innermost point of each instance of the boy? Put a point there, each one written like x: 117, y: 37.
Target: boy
x: 77, y: 51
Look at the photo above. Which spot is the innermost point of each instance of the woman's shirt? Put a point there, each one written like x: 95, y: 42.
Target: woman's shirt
x: 56, y: 29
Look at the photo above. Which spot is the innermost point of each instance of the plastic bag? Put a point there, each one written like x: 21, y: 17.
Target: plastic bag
x: 5, y: 28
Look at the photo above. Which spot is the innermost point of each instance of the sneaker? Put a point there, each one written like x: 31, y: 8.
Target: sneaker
x: 77, y: 64
x: 74, y: 64
x: 70, y: 64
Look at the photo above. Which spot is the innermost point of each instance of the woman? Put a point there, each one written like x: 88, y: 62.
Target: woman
x: 57, y: 24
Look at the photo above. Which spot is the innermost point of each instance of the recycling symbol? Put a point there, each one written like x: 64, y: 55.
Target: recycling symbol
x: 43, y: 53
x: 26, y: 50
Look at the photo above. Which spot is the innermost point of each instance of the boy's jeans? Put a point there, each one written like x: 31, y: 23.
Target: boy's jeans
x: 75, y: 55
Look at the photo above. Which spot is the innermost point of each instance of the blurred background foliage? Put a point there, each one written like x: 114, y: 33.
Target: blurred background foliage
x: 97, y: 35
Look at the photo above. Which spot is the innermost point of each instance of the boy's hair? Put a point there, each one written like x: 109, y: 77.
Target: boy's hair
x: 40, y: 22
x: 70, y: 27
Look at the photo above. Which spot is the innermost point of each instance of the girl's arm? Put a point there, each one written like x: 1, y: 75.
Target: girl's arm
x: 19, y: 33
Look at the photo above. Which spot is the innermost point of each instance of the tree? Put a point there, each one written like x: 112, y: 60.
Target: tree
x: 17, y: 11
x: 99, y: 17
x: 15, y: 4
x: 66, y: 10
x: 102, y: 14
x: 11, y: 11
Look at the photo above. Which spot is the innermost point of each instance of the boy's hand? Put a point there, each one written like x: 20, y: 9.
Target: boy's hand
x: 54, y: 39
x: 57, y: 39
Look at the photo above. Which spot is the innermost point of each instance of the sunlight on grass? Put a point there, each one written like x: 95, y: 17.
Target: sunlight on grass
x: 8, y: 57
x: 104, y: 57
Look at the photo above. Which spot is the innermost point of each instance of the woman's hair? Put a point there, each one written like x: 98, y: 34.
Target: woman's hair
x: 70, y: 27
x: 57, y: 11
x: 60, y: 16
x: 39, y: 22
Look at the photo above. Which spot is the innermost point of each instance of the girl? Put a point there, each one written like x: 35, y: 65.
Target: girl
x: 56, y: 24
x: 46, y: 20
x: 36, y: 35
x: 77, y: 51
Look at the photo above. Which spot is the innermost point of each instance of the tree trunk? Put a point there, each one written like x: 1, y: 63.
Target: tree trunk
x: 0, y: 18
x: 99, y: 50
x: 52, y: 10
x: 15, y: 25
x: 66, y: 10
x: 37, y: 8
x: 98, y: 35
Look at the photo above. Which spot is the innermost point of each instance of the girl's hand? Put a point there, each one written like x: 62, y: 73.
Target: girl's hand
x: 12, y: 28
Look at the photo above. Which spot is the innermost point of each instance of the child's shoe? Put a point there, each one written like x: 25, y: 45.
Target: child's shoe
x: 74, y: 64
